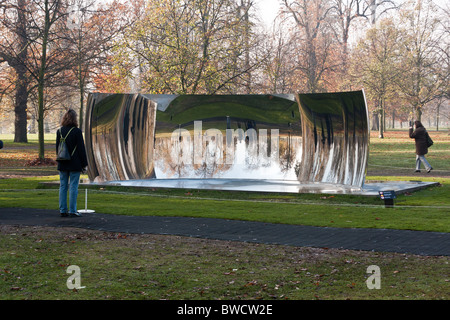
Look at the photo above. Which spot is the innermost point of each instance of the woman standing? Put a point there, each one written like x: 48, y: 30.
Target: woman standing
x: 420, y: 137
x: 70, y: 170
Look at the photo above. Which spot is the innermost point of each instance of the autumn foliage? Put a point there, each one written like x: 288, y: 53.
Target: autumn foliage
x: 54, y: 52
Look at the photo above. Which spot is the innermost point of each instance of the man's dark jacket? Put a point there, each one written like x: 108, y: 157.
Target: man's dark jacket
x: 420, y: 136
x: 78, y: 160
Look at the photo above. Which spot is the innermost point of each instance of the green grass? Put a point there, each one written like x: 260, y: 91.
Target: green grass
x: 34, y: 260
x: 395, y: 154
x: 33, y: 264
x: 426, y: 210
x: 33, y: 138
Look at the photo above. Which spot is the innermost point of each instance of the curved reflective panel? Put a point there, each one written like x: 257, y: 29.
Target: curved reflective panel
x: 119, y: 130
x: 228, y: 136
x: 140, y: 136
x: 335, y: 137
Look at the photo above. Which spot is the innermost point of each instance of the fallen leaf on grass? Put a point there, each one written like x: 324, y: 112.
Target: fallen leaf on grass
x: 251, y: 283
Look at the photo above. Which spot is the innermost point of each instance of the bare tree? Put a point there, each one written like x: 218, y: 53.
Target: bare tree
x: 14, y: 48
x: 48, y: 57
x: 347, y: 11
x: 279, y: 66
x: 315, y: 36
x: 90, y: 37
x: 376, y: 66
x: 443, y: 72
x: 421, y: 57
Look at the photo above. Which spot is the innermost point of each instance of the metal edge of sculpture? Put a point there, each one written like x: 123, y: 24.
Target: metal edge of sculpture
x: 312, y: 138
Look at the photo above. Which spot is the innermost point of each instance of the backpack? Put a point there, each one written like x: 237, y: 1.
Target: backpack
x: 63, y: 150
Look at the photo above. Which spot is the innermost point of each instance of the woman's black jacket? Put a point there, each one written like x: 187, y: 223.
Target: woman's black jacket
x: 78, y: 160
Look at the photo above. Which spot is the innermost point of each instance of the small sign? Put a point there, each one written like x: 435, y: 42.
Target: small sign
x: 386, y: 195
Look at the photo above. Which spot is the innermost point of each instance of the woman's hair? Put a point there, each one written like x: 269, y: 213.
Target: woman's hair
x: 418, y: 124
x: 69, y: 119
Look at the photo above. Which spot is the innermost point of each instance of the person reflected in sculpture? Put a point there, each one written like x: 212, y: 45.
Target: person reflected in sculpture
x: 70, y: 169
x: 419, y: 134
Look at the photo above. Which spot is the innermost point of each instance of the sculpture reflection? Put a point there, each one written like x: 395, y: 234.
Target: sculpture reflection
x: 312, y: 138
x: 118, y: 128
x: 227, y: 136
x: 335, y: 137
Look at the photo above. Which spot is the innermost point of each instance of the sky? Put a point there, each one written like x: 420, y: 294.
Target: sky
x: 268, y: 10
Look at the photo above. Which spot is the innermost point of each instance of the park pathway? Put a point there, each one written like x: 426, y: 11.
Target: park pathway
x: 379, y: 240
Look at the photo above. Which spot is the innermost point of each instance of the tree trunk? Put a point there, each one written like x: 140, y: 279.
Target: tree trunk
x: 80, y: 124
x: 381, y: 118
x: 20, y: 105
x: 40, y: 121
x: 381, y: 126
x: 21, y: 95
x: 393, y: 119
x: 81, y: 79
x: 41, y: 82
x: 419, y: 113
x: 437, y: 114
x: 375, y: 121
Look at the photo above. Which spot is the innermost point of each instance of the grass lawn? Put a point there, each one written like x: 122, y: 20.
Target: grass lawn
x: 426, y: 210
x: 395, y: 154
x: 33, y: 264
x: 33, y: 261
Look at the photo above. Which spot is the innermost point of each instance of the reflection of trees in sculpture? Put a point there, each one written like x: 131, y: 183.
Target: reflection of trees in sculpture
x: 212, y: 155
x: 289, y: 147
x: 164, y: 156
x: 175, y: 156
x: 335, y: 138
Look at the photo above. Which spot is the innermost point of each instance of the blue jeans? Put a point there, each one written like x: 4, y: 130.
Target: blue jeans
x: 69, y: 181
x: 421, y: 159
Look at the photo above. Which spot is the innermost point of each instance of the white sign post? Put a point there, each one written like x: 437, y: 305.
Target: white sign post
x: 86, y: 210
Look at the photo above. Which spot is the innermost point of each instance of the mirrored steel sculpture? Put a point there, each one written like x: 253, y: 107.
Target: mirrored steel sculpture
x: 309, y: 138
x: 335, y: 137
